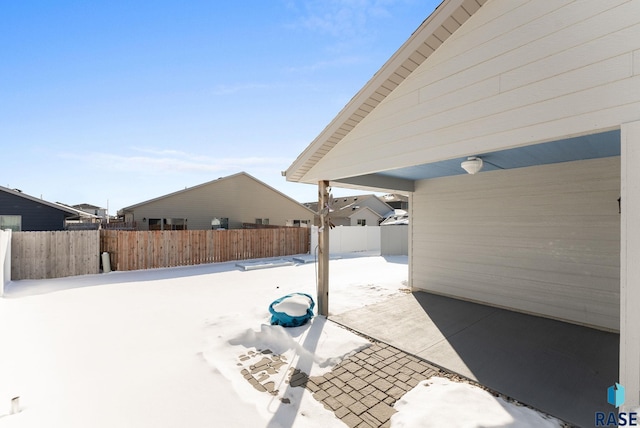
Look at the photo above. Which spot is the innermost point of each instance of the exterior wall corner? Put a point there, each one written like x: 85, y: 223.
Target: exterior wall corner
x: 629, y: 266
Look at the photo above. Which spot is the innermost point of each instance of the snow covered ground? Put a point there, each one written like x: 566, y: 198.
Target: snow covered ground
x: 167, y: 348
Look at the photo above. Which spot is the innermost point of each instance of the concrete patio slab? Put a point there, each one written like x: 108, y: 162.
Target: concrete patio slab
x: 559, y: 368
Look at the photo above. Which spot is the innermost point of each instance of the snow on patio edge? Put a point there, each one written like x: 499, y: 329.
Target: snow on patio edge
x: 438, y: 402
x: 259, y: 364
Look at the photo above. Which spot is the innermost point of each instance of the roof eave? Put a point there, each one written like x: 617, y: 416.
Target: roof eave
x: 68, y: 210
x: 401, y: 64
x: 132, y: 208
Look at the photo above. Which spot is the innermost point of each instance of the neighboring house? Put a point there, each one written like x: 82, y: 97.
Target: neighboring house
x: 396, y: 201
x: 356, y: 216
x: 92, y: 209
x: 225, y: 203
x: 547, y: 95
x: 23, y: 213
x: 84, y: 218
x: 400, y: 204
x: 362, y: 210
x: 399, y: 217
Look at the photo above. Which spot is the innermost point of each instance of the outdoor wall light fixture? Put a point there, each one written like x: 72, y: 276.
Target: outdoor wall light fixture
x: 472, y: 165
x: 144, y: 219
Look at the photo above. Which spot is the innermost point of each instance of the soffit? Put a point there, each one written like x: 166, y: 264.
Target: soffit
x: 592, y: 146
x: 438, y: 27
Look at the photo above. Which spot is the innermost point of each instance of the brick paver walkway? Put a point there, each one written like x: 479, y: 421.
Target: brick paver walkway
x: 362, y: 390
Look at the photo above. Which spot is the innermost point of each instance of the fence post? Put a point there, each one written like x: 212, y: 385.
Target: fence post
x: 5, y: 259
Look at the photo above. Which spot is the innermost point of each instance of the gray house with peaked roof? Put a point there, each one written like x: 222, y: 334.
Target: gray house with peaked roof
x: 227, y: 203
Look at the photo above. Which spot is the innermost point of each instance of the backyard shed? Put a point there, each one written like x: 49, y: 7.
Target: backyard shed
x: 547, y: 96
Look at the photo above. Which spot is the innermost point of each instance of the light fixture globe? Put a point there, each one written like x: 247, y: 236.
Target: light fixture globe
x: 472, y: 165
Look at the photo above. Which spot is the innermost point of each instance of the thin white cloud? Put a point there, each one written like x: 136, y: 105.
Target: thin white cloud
x: 241, y: 87
x: 174, y: 161
x: 340, y: 18
x: 349, y: 29
x: 326, y: 64
x: 350, y: 24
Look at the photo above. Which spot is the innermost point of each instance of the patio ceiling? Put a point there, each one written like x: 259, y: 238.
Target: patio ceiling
x: 593, y: 146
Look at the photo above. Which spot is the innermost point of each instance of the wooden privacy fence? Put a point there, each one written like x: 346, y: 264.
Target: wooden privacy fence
x: 132, y: 250
x: 39, y: 255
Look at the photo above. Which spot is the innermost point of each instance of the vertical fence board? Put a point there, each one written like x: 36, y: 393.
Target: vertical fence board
x: 41, y: 255
x: 156, y: 249
x: 37, y: 255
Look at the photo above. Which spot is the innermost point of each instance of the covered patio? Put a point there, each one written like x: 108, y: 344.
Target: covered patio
x: 560, y: 368
x: 542, y: 97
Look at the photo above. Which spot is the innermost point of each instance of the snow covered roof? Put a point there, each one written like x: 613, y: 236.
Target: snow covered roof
x: 393, y: 197
x: 86, y: 206
x: 78, y: 212
x: 345, y: 206
x: 398, y: 217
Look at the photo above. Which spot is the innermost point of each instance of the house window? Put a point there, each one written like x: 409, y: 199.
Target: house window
x: 362, y: 222
x: 155, y: 224
x: 13, y: 222
x: 220, y: 223
x: 262, y: 221
x: 175, y: 224
x: 300, y: 223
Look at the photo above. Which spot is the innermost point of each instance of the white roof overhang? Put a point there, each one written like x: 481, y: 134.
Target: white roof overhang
x: 442, y: 23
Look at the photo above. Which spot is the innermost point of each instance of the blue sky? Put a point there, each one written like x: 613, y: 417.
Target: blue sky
x: 117, y: 102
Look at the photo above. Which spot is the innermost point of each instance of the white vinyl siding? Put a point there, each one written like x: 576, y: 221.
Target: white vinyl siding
x: 542, y: 240
x: 364, y: 217
x: 516, y: 73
